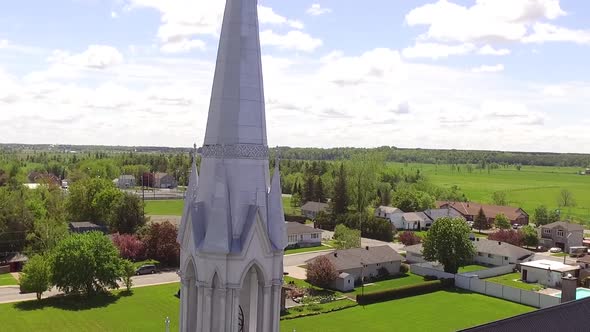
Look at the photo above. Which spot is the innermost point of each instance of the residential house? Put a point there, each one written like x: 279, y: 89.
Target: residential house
x: 310, y: 210
x: 126, y: 181
x: 546, y: 272
x: 85, y: 227
x: 164, y: 180
x: 561, y: 234
x: 488, y: 252
x: 393, y: 214
x: 13, y: 260
x: 357, y: 263
x: 469, y: 210
x: 415, y: 221
x: 435, y: 214
x: 300, y: 235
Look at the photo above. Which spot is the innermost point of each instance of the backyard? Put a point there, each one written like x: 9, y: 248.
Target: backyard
x: 7, y: 279
x: 308, y: 249
x: 438, y: 311
x: 405, y: 280
x: 472, y: 268
x: 172, y: 207
x: 513, y: 280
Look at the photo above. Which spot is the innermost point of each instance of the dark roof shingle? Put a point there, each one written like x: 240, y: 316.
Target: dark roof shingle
x: 352, y: 258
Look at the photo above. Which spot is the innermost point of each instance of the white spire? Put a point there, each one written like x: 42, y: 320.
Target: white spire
x: 276, y: 214
x: 190, y: 195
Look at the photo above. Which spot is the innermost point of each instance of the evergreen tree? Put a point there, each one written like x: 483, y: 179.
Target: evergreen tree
x: 481, y: 221
x: 340, y: 199
x: 319, y: 194
x: 308, y: 189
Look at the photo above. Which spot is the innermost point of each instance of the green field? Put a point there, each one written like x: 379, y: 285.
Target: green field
x: 439, y: 311
x: 471, y: 268
x: 513, y: 280
x: 527, y: 188
x: 7, y: 280
x: 164, y: 208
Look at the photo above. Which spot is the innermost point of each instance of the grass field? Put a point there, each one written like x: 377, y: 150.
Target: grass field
x: 513, y: 280
x: 7, y: 280
x: 164, y: 208
x: 439, y: 311
x: 527, y: 188
x: 471, y: 268
x: 302, y: 250
x: 408, y: 279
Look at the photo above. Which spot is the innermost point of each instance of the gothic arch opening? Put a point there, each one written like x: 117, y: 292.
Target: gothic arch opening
x: 251, y: 307
x: 190, y: 292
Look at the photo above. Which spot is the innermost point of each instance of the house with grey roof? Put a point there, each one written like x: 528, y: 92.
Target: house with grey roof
x: 435, y: 214
x: 86, y: 226
x: 300, y: 235
x: 488, y: 252
x: 393, y: 214
x: 125, y: 181
x: 561, y: 234
x: 310, y: 210
x: 415, y: 221
x: 357, y: 263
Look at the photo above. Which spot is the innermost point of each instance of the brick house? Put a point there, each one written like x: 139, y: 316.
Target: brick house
x: 469, y: 210
x: 562, y: 235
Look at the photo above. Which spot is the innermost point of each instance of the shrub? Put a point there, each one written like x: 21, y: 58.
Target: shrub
x: 404, y: 268
x: 430, y: 278
x: 321, y: 272
x: 401, y: 292
x: 382, y: 273
x: 294, y: 218
x: 127, y: 271
x: 507, y: 235
x: 159, y: 240
x: 409, y: 238
x: 130, y: 246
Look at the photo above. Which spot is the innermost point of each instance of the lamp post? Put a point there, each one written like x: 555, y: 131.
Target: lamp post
x: 362, y: 278
x: 565, y: 254
x: 167, y: 322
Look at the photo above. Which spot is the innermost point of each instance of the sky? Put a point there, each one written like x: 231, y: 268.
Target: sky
x: 455, y: 74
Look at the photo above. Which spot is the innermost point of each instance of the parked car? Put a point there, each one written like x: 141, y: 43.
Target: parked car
x: 555, y: 250
x: 146, y: 269
x: 515, y: 226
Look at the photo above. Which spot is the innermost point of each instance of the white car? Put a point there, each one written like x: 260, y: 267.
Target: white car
x: 555, y: 250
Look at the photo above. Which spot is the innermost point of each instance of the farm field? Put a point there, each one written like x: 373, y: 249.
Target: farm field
x: 438, y: 311
x: 527, y: 188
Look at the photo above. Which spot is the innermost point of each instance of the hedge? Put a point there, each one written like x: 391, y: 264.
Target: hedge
x: 405, y: 291
x: 295, y: 218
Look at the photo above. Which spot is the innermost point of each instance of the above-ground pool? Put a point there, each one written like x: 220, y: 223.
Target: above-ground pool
x: 580, y: 293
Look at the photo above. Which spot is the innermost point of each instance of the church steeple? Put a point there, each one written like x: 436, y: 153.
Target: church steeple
x: 233, y: 233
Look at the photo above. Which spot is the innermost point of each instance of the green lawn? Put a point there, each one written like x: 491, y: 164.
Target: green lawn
x: 471, y: 268
x: 559, y: 254
x: 145, y: 310
x: 318, y: 308
x: 7, y: 280
x: 164, y: 208
x: 408, y: 279
x: 302, y: 250
x: 513, y: 280
x: 527, y: 188
x: 294, y: 211
x: 438, y: 311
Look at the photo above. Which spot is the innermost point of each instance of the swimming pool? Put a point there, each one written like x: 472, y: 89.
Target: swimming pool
x: 580, y: 293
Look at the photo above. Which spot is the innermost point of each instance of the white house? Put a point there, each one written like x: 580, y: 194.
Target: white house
x: 392, y: 213
x: 488, y: 252
x: 310, y: 210
x: 299, y: 235
x: 415, y: 221
x: 546, y: 272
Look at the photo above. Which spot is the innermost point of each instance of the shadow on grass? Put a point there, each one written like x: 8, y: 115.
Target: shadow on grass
x: 73, y: 302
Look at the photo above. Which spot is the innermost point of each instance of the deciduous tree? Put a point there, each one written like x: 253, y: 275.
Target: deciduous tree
x: 129, y: 246
x: 347, y: 238
x: 321, y: 272
x: 566, y: 199
x: 502, y: 222
x: 85, y: 263
x: 507, y: 235
x: 499, y: 198
x: 126, y: 215
x: 36, y: 276
x: 159, y: 240
x: 530, y: 238
x: 127, y: 271
x: 409, y: 238
x: 448, y: 242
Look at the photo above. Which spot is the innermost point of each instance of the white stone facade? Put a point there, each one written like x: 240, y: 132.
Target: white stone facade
x: 232, y: 232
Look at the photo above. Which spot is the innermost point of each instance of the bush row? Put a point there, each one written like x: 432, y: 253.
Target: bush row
x: 295, y: 218
x: 405, y: 291
x: 349, y: 304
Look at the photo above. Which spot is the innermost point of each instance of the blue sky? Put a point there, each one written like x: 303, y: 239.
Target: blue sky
x: 485, y: 74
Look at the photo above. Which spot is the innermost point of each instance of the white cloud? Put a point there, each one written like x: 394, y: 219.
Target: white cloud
x: 436, y: 50
x: 317, y: 10
x: 488, y: 69
x: 486, y: 21
x: 96, y: 56
x: 114, y: 15
x: 267, y: 15
x: 489, y: 50
x: 3, y: 43
x: 293, y: 40
x: 183, y: 46
x: 543, y: 32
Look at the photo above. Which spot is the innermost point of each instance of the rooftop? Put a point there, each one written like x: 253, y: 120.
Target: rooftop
x: 314, y: 206
x: 389, y: 209
x: 568, y: 226
x: 500, y: 248
x: 546, y: 264
x: 354, y: 258
x: 297, y: 228
x: 491, y: 211
x: 415, y: 216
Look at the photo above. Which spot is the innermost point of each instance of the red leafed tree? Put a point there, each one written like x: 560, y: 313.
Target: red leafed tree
x: 130, y: 246
x: 321, y: 272
x: 507, y: 235
x: 409, y: 238
x: 159, y: 240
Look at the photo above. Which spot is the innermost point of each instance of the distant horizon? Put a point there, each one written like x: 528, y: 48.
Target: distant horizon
x: 293, y: 147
